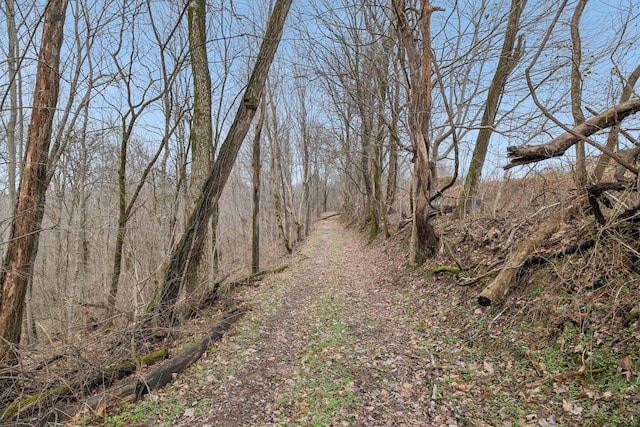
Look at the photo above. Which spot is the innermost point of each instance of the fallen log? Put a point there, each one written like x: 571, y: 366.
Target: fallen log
x: 328, y: 215
x: 164, y: 373
x: 133, y: 389
x: 524, y: 154
x: 104, y: 378
x: 499, y: 287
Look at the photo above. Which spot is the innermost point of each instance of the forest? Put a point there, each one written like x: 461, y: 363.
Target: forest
x: 155, y: 156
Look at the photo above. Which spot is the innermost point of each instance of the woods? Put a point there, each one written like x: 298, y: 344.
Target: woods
x: 152, y: 153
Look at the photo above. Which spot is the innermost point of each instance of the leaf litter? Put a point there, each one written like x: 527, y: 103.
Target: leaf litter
x: 349, y: 336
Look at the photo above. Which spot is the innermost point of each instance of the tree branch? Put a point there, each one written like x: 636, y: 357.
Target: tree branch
x: 524, y: 154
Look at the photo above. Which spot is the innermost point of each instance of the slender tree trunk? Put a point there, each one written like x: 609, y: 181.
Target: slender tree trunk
x: 256, y: 163
x: 394, y: 142
x: 277, y: 186
x: 509, y: 57
x: 189, y: 249
x: 576, y: 94
x: 12, y: 142
x: 21, y: 251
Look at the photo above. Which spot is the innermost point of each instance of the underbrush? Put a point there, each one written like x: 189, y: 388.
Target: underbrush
x: 563, y: 347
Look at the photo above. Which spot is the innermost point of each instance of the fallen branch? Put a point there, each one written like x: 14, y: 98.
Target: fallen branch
x: 329, y: 215
x: 468, y: 281
x: 524, y: 154
x: 445, y: 269
x: 499, y: 287
x: 103, y: 378
x: 135, y: 388
x: 214, y: 294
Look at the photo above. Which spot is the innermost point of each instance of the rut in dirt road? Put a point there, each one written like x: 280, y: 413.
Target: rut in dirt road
x: 327, y: 342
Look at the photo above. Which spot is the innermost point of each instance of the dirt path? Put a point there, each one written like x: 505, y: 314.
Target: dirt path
x: 326, y: 343
x: 347, y: 335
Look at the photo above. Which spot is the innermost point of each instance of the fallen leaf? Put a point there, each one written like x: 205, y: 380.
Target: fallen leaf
x: 624, y: 367
x: 487, y: 367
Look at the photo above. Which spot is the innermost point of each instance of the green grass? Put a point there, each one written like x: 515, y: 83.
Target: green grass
x: 158, y: 410
x: 323, y: 390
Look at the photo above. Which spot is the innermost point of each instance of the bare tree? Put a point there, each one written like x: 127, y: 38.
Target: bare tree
x: 128, y: 122
x: 423, y: 236
x: 612, y: 139
x: 192, y: 242
x: 17, y: 267
x: 509, y: 57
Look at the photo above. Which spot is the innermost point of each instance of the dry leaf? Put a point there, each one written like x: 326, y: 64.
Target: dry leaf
x: 624, y: 367
x: 487, y: 367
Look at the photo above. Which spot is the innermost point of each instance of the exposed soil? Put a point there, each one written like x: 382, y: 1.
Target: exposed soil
x: 348, y: 336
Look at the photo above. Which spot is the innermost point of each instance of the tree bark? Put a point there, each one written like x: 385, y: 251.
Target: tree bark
x: 201, y: 135
x: 576, y: 94
x: 12, y: 69
x: 21, y: 251
x: 509, y: 57
x: 524, y: 154
x: 189, y: 248
x: 256, y: 163
x: 424, y: 237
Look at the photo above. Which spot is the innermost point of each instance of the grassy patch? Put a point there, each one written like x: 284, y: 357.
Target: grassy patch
x: 323, y: 390
x: 159, y: 409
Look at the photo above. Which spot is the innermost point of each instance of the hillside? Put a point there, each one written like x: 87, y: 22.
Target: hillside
x: 348, y: 336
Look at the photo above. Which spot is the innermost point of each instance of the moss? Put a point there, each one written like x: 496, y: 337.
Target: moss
x: 445, y: 269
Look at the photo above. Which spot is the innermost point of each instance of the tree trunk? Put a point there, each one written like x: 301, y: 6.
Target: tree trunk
x: 201, y: 136
x: 576, y: 94
x: 21, y: 251
x: 424, y: 237
x: 190, y: 246
x: 499, y: 286
x: 276, y: 180
x: 12, y: 68
x: 256, y: 163
x: 394, y: 142
x: 509, y: 57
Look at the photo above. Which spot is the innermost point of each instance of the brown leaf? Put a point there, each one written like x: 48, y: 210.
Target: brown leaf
x: 624, y: 367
